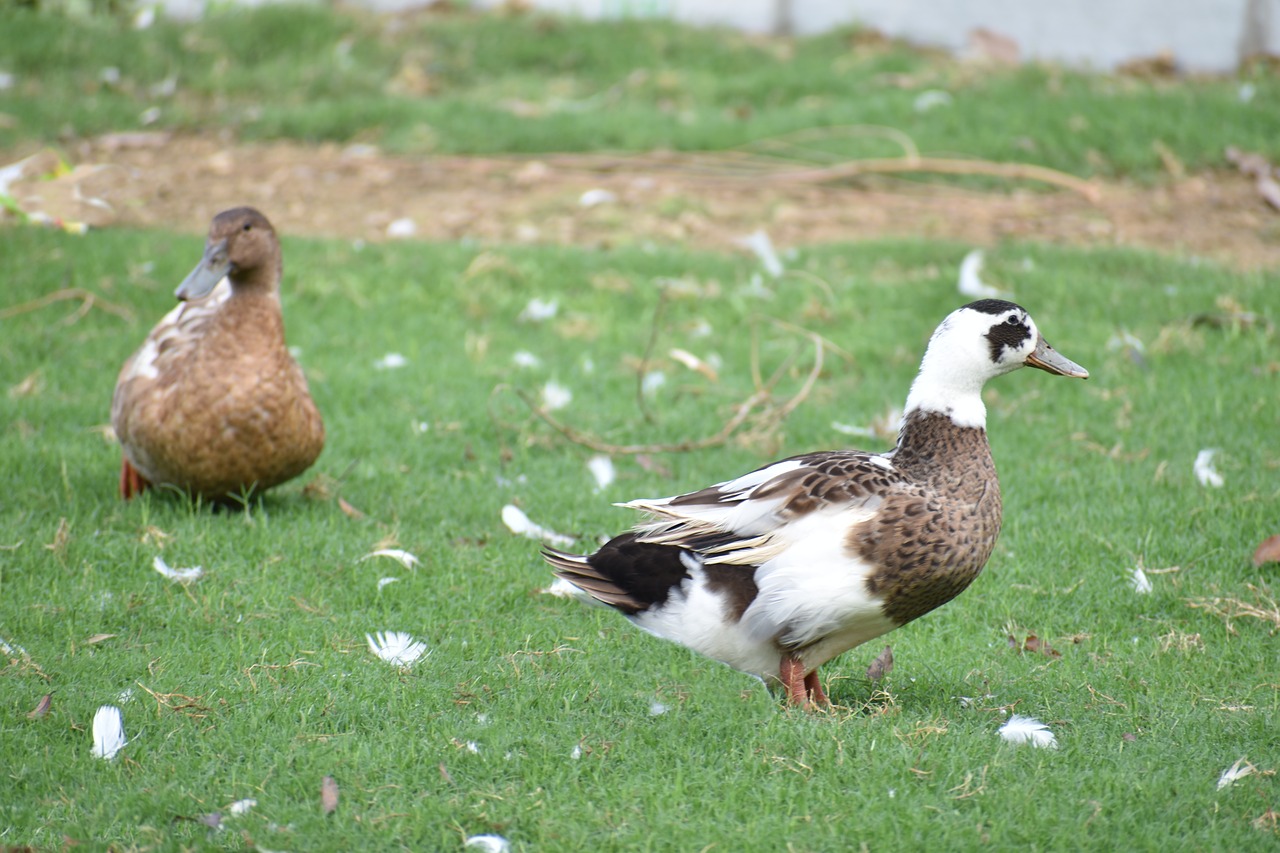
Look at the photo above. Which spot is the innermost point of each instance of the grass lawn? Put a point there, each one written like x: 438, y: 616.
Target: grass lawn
x: 555, y: 725
x: 464, y: 83
x: 532, y: 717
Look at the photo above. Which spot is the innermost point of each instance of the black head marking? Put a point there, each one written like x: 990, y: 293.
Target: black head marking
x: 993, y: 306
x: 1011, y: 333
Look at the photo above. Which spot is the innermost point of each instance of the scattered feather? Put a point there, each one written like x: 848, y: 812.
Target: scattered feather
x: 13, y: 650
x: 178, y: 575
x: 42, y: 707
x: 472, y: 747
x: 404, y: 558
x: 555, y: 396
x: 1246, y: 92
x: 125, y: 696
x: 758, y: 242
x: 396, y: 647
x: 577, y: 752
x: 931, y: 99
x: 488, y: 843
x: 1236, y: 772
x: 1139, y: 581
x: 328, y: 795
x: 1020, y: 729
x: 692, y: 362
x: 971, y: 283
x: 657, y: 709
x: 652, y: 381
x: 1268, y: 551
x: 213, y: 820
x: 240, y: 807
x: 517, y: 522
x: 402, y: 227
x: 524, y: 358
x: 385, y: 581
x: 601, y: 468
x: 391, y: 361
x: 882, y: 665
x: 98, y: 638
x: 1205, y: 472
x: 539, y: 310
x: 108, y: 732
x: 594, y: 197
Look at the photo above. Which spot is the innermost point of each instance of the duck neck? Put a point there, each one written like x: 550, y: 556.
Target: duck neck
x: 954, y: 458
x: 945, y: 387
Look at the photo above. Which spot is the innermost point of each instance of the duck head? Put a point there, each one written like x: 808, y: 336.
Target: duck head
x: 241, y: 246
x: 975, y: 343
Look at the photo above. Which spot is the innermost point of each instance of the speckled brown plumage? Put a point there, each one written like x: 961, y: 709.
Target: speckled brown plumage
x: 932, y: 537
x: 213, y: 403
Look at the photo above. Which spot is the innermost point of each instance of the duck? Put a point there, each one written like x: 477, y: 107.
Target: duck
x: 782, y: 569
x: 213, y: 404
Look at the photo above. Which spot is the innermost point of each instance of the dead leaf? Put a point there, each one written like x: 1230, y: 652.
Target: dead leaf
x: 328, y: 795
x: 882, y: 665
x: 349, y: 509
x: 42, y: 707
x: 1268, y: 551
x: 60, y: 537
x: 98, y: 638
x: 1033, y: 645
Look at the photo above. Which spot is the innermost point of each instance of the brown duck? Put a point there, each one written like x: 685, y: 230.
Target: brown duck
x: 782, y: 569
x: 213, y: 404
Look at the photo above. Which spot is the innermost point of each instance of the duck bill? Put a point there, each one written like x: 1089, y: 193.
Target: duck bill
x: 1048, y: 359
x: 213, y: 267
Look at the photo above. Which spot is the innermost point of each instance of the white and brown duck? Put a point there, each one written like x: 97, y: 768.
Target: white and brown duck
x: 213, y: 404
x: 782, y: 569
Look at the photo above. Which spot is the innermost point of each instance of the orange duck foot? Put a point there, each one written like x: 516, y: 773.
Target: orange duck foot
x: 131, y: 482
x: 803, y: 689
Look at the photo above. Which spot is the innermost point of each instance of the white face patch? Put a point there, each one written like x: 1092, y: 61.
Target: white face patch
x: 969, y: 347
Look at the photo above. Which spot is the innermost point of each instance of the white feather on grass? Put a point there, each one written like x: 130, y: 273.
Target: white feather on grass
x: 526, y: 359
x: 1020, y: 729
x: 108, y: 732
x: 601, y: 468
x: 240, y: 807
x: 517, y: 522
x: 758, y: 242
x: 1235, y: 772
x: 385, y: 581
x: 1205, y: 472
x: 177, y: 575
x: 391, y: 361
x: 555, y: 396
x: 971, y: 283
x: 396, y: 647
x: 539, y: 310
x: 1139, y: 581
x: 488, y: 843
x: 404, y: 558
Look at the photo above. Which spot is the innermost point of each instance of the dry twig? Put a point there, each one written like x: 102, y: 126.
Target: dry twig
x: 87, y: 302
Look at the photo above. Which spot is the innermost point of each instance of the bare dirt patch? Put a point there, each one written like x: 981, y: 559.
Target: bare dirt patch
x: 179, y: 183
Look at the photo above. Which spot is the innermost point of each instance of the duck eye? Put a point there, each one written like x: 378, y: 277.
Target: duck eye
x: 248, y: 226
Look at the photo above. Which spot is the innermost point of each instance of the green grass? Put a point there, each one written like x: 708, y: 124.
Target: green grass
x: 270, y: 686
x: 463, y: 83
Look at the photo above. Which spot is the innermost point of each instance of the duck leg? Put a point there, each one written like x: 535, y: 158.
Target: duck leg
x: 814, y: 688
x: 131, y: 482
